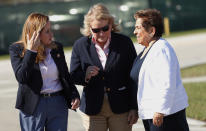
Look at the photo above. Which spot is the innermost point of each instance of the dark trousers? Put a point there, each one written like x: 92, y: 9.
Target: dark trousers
x: 51, y: 115
x: 174, y: 122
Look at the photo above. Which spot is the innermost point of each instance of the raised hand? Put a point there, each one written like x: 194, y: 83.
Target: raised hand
x: 34, y: 42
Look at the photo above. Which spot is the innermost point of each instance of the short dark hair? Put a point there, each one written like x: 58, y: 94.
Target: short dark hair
x: 151, y: 17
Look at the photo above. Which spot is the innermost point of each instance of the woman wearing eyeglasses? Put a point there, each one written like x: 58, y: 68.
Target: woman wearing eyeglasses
x: 101, y: 62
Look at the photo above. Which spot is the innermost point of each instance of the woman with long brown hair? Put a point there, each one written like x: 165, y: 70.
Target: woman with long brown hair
x: 45, y: 90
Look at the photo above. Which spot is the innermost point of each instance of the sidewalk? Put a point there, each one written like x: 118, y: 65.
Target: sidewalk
x: 196, y: 125
x: 194, y: 79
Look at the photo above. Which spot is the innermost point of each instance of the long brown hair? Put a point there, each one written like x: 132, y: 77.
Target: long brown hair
x: 34, y: 22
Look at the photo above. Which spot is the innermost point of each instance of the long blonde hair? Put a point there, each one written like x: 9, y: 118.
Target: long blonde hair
x: 97, y: 12
x: 34, y: 22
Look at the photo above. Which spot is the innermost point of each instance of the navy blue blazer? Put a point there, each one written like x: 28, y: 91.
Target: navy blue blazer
x: 114, y: 78
x: 29, y: 78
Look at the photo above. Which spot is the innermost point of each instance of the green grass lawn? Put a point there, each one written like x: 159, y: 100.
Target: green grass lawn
x: 197, y: 100
x: 68, y: 48
x: 194, y: 71
x: 4, y: 57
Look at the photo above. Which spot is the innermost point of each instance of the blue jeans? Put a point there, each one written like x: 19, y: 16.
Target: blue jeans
x: 51, y: 114
x: 174, y: 122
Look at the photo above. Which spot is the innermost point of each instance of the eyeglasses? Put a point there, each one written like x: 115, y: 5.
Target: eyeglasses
x: 97, y: 30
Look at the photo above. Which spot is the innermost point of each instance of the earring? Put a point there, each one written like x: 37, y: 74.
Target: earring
x: 151, y: 35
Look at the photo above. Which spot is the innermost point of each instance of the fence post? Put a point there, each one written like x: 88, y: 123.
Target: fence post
x: 166, y: 26
x: 2, y: 44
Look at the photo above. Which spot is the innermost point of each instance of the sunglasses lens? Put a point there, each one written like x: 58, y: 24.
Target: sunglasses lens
x: 96, y: 30
x: 106, y: 28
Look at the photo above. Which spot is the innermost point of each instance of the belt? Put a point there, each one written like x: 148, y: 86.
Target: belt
x: 58, y: 93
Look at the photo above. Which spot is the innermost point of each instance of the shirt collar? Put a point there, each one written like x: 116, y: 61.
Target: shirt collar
x: 107, y: 43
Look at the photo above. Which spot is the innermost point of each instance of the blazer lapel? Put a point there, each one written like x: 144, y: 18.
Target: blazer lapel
x: 53, y: 54
x: 56, y: 57
x: 39, y: 75
x: 94, y: 55
x: 59, y: 61
x: 36, y: 66
x: 112, y: 54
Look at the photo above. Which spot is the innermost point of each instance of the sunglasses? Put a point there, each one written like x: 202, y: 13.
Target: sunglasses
x: 97, y: 30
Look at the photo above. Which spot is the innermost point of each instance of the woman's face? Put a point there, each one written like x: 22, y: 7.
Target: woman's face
x: 46, y: 35
x: 143, y: 37
x: 101, y: 30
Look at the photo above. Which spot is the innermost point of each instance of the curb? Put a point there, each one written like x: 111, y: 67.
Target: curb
x: 194, y: 79
x: 194, y: 122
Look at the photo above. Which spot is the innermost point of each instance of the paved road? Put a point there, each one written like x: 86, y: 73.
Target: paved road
x: 190, y: 50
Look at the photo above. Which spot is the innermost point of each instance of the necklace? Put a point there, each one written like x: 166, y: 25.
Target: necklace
x: 147, y: 48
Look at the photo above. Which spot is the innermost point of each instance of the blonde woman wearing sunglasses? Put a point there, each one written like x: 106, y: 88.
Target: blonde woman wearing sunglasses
x: 101, y: 62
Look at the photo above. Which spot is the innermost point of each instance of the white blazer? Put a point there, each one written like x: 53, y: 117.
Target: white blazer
x: 160, y: 88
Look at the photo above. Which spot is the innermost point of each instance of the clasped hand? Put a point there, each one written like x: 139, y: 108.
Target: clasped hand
x: 158, y: 119
x: 90, y: 72
x: 75, y: 103
x: 132, y: 117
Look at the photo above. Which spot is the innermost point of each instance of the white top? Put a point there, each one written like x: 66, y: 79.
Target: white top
x: 49, y: 74
x: 102, y: 53
x: 160, y: 88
